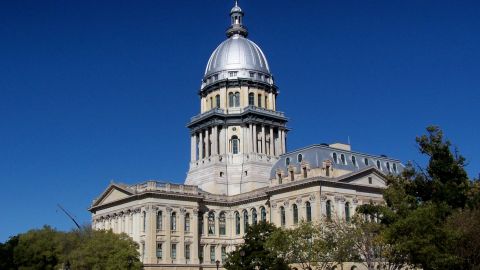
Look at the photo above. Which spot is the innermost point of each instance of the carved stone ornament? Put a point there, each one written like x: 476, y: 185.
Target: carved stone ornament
x: 286, y: 203
x: 169, y: 209
x: 195, y: 211
x: 183, y: 210
x: 274, y: 205
x: 339, y: 199
x: 299, y: 200
x: 312, y: 197
x: 323, y: 197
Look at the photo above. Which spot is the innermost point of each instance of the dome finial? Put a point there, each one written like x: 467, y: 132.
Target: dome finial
x: 237, y: 27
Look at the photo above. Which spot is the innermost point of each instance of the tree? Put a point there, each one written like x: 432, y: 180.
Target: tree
x: 48, y: 248
x: 253, y: 254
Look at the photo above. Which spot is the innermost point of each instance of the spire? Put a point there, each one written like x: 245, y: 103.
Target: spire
x: 236, y: 27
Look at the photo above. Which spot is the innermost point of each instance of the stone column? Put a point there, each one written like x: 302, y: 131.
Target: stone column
x: 222, y: 140
x: 207, y: 143
x: 255, y: 143
x: 264, y: 141
x: 215, y: 140
x: 150, y: 235
x: 200, y: 146
x: 168, y: 232
x: 196, y: 238
x: 193, y: 143
x: 272, y: 151
x: 181, y: 242
x: 282, y: 141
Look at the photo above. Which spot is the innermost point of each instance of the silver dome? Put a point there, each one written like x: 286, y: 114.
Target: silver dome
x: 237, y: 53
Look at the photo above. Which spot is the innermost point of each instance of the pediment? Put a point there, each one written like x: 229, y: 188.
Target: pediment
x: 111, y: 194
x: 369, y: 177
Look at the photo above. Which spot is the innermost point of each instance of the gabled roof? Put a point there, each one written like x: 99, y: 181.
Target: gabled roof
x: 113, y: 192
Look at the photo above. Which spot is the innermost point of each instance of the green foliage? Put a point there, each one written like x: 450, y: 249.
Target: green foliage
x: 47, y: 248
x: 255, y: 254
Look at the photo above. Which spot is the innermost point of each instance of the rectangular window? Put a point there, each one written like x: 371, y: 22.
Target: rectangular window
x: 187, y: 251
x: 159, y: 250
x: 252, y: 74
x: 200, y: 253
x: 259, y: 100
x: 369, y: 180
x: 224, y: 253
x: 174, y: 251
x: 212, y: 254
x: 216, y: 77
x: 232, y: 73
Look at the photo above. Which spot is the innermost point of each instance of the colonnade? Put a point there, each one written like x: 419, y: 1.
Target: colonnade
x: 254, y: 138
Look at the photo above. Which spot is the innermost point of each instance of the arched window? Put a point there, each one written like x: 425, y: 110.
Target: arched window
x: 251, y: 99
x: 222, y: 223
x: 342, y: 157
x: 287, y: 161
x: 354, y: 161
x: 378, y: 165
x: 282, y: 215
x: 235, y: 144
x: 211, y: 223
x: 237, y: 223
x: 299, y: 158
x: 237, y: 99
x: 347, y: 211
x: 159, y: 220
x: 365, y: 160
x: 395, y: 167
x: 144, y: 220
x: 295, y: 214
x: 259, y: 100
x: 217, y: 101
x: 245, y: 221
x: 173, y: 221
x: 388, y: 166
x: 329, y: 209
x: 254, y: 216
x: 335, y: 159
x: 263, y: 214
x: 308, y: 209
x: 231, y: 102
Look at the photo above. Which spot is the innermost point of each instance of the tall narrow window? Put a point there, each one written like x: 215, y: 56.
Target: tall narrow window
x: 292, y: 175
x: 237, y: 223
x: 174, y: 251
x: 365, y: 160
x: 335, y: 159
x: 259, y: 100
x: 159, y: 220
x: 308, y: 209
x: 212, y: 254
x: 187, y: 222
x: 187, y: 251
x: 388, y: 166
x: 254, y: 216
x: 295, y: 214
x: 347, y: 211
x: 211, y: 223
x: 266, y: 102
x: 235, y: 144
x: 251, y: 99
x: 354, y: 161
x: 245, y: 221
x: 144, y: 220
x: 394, y: 167
x: 263, y: 214
x: 327, y: 171
x: 173, y: 221
x: 378, y: 165
x: 329, y: 209
x: 304, y: 169
x: 299, y: 158
x: 279, y: 178
x: 211, y: 102
x: 222, y: 223
x: 201, y: 252
x: 237, y: 99
x: 230, y: 100
x: 224, y: 253
x: 282, y: 215
x: 200, y: 223
x: 342, y: 157
x: 159, y: 251
x: 217, y: 101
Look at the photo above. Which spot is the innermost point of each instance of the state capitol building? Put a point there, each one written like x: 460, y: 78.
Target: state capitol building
x: 240, y: 172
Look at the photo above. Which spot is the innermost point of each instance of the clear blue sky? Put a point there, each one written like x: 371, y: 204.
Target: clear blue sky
x: 97, y: 90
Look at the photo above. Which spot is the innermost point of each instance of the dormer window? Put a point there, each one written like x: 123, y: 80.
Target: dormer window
x: 388, y: 166
x: 378, y: 165
x: 354, y: 161
x: 287, y: 161
x: 365, y: 160
x: 335, y: 158
x: 394, y: 167
x: 299, y: 158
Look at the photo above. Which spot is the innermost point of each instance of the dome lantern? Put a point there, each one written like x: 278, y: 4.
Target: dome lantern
x: 236, y: 27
